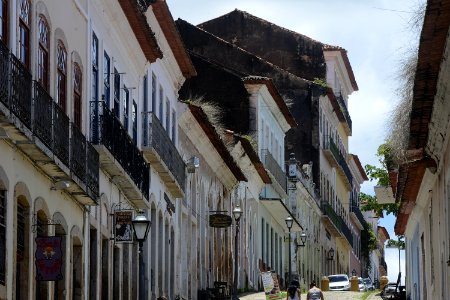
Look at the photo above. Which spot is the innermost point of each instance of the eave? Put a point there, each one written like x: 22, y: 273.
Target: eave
x: 167, y: 24
x: 360, y: 167
x: 254, y: 158
x: 347, y: 64
x: 430, y: 57
x: 217, y: 142
x: 142, y: 31
x: 275, y: 95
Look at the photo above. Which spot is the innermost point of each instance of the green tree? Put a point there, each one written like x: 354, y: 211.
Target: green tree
x: 381, y: 175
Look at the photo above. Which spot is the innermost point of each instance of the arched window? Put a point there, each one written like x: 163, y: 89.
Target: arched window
x: 61, y: 86
x: 43, y: 57
x: 24, y: 32
x: 77, y: 94
x: 4, y: 21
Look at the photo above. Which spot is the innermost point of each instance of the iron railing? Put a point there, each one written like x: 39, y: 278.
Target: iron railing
x: 107, y: 130
x: 4, y: 71
x: 344, y: 110
x: 78, y: 153
x: 20, y: 91
x: 328, y: 210
x: 354, y: 208
x: 92, y: 169
x: 29, y: 103
x: 155, y: 136
x: 346, y: 232
x: 274, y: 168
x: 340, y: 159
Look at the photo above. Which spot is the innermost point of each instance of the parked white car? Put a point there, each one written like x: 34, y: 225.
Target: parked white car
x: 339, y: 282
x: 361, y: 285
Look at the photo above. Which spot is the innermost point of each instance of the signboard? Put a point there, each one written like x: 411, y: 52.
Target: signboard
x: 48, y: 258
x: 271, y: 286
x: 123, y: 227
x: 219, y: 220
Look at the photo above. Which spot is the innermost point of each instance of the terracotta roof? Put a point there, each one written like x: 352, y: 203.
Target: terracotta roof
x: 431, y: 49
x: 254, y: 158
x: 360, y: 167
x: 384, y: 232
x: 165, y: 20
x: 348, y: 66
x: 215, y: 139
x: 144, y: 35
x: 275, y: 95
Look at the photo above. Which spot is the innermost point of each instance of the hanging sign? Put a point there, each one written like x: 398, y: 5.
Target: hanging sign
x: 123, y: 227
x: 48, y: 258
x: 219, y: 220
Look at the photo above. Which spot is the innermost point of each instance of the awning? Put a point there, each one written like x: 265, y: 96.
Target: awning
x: 280, y: 212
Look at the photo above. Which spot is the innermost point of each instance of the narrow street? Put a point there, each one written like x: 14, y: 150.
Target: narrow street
x: 375, y: 295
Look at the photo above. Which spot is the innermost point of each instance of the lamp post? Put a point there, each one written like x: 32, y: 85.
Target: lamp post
x: 141, y: 225
x: 289, y: 221
x: 302, y: 244
x: 330, y: 257
x: 237, y: 213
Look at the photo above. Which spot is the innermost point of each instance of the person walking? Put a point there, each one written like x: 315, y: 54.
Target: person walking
x: 314, y: 292
x: 293, y: 293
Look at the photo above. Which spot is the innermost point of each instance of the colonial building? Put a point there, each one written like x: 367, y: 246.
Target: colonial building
x: 320, y: 106
x: 422, y: 185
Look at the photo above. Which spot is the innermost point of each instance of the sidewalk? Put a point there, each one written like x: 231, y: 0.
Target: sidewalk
x: 327, y: 295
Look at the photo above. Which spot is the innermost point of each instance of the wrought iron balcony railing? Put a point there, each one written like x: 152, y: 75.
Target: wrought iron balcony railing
x: 338, y: 160
x: 344, y: 110
x: 46, y: 128
x: 274, y: 168
x: 346, y: 232
x: 328, y: 210
x: 108, y: 131
x: 354, y: 208
x: 156, y: 140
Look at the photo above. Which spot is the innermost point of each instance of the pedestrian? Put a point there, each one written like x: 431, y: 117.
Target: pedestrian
x: 314, y: 292
x: 293, y: 293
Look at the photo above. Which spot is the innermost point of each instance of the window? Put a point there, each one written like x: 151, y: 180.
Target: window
x: 77, y: 94
x: 94, y: 68
x: 174, y: 117
x: 24, y: 33
x: 61, y: 86
x: 4, y: 22
x: 167, y: 116
x: 134, y: 120
x: 145, y: 98
x: 153, y: 93
x: 116, y: 93
x: 161, y: 103
x: 126, y: 109
x: 42, y: 58
x: 106, y: 79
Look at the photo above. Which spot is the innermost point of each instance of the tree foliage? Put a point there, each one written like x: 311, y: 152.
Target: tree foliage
x: 381, y: 175
x: 400, y: 243
x: 368, y: 244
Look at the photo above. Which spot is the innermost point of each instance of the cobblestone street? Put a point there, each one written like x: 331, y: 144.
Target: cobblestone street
x: 327, y: 295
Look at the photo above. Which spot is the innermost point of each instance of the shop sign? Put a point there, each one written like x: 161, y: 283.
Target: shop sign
x: 123, y: 227
x: 219, y: 220
x: 48, y: 258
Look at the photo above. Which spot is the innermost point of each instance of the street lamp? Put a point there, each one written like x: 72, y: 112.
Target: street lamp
x: 353, y: 272
x: 237, y: 213
x: 141, y: 225
x: 289, y: 222
x: 330, y: 254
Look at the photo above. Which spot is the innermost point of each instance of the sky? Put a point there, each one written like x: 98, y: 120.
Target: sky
x: 376, y: 34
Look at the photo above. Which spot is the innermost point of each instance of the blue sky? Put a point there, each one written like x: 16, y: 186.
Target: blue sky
x: 376, y: 34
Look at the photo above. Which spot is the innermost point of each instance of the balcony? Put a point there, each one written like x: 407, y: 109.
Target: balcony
x: 43, y: 132
x: 338, y: 161
x: 356, y: 214
x: 345, y: 112
x: 346, y: 232
x: 274, y: 168
x: 119, y: 156
x: 159, y: 150
x: 331, y: 219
